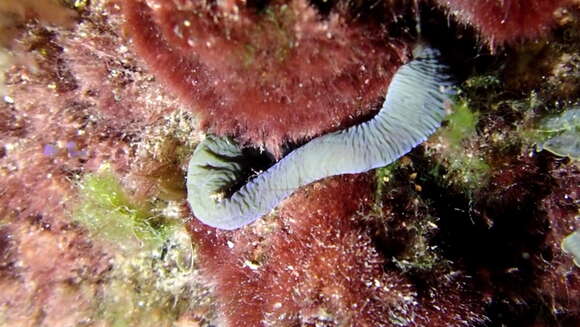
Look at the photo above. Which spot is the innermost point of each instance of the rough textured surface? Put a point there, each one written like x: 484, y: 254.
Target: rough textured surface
x: 65, y: 117
x: 316, y: 263
x: 269, y: 76
x: 468, y: 226
x: 506, y: 21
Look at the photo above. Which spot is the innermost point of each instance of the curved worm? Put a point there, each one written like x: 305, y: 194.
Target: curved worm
x: 413, y: 109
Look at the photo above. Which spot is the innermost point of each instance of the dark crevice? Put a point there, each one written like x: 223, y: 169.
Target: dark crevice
x: 253, y: 162
x: 257, y: 5
x: 324, y: 7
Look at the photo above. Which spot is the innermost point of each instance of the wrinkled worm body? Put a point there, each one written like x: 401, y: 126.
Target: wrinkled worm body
x: 413, y: 109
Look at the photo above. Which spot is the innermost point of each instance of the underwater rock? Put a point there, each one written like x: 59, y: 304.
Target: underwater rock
x: 60, y: 120
x: 316, y: 262
x: 327, y: 257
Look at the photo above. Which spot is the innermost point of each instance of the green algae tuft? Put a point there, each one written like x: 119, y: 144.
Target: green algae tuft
x: 152, y: 280
x: 107, y: 212
x: 460, y: 162
x: 461, y: 124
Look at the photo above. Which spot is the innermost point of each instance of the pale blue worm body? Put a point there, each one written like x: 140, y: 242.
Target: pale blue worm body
x: 571, y: 245
x: 413, y: 109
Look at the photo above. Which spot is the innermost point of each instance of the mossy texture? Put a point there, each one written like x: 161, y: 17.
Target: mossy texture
x: 461, y: 124
x: 152, y: 281
x: 151, y: 288
x: 275, y: 26
x: 383, y: 177
x: 465, y: 230
x: 108, y: 212
x: 461, y: 164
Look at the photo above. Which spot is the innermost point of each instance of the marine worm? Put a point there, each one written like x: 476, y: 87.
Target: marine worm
x: 571, y: 245
x: 413, y: 109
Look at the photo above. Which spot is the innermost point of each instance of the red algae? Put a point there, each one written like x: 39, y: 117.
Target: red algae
x: 46, y: 270
x: 559, y: 284
x: 66, y: 128
x: 322, y: 259
x: 268, y: 76
x: 316, y: 264
x: 505, y: 21
x: 531, y: 204
x: 63, y: 116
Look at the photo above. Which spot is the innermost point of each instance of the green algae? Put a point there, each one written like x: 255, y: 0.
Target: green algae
x: 383, y: 178
x: 483, y: 82
x: 107, y: 212
x: 460, y: 163
x: 560, y: 134
x: 469, y: 170
x: 152, y: 280
x: 79, y: 4
x: 461, y: 124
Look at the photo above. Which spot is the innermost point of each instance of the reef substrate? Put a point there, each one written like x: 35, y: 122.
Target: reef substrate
x: 469, y: 236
